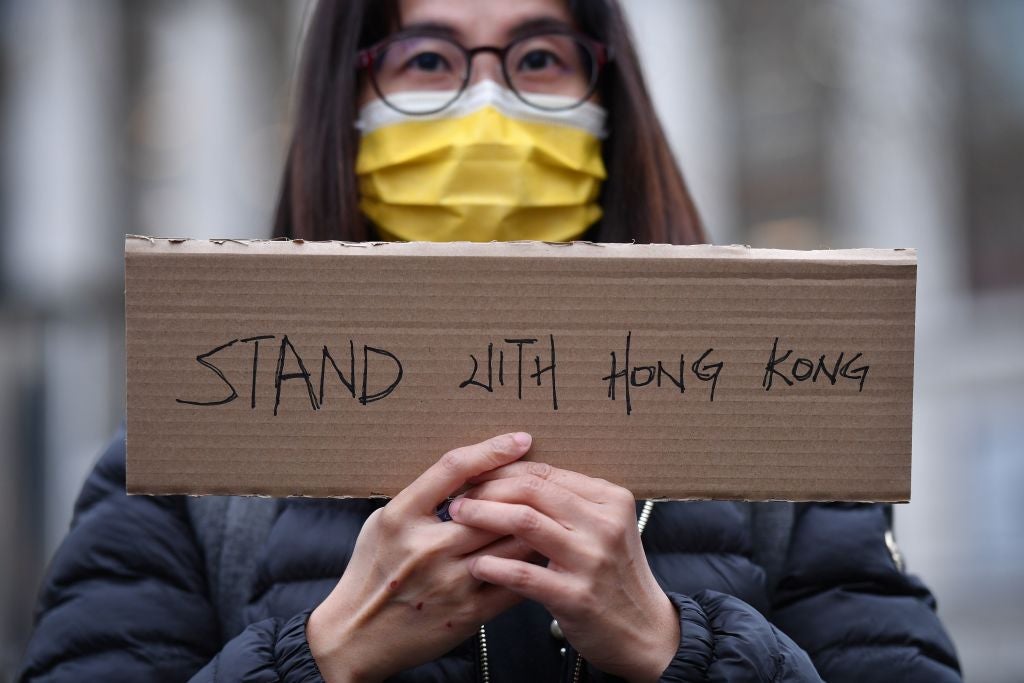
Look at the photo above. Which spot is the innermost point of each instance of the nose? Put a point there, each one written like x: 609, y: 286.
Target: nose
x: 485, y: 66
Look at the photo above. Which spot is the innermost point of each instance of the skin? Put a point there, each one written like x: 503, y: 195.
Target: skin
x: 478, y: 22
x: 597, y: 582
x: 407, y: 596
x: 417, y: 587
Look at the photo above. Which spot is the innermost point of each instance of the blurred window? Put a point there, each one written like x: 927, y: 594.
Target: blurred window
x: 994, y: 143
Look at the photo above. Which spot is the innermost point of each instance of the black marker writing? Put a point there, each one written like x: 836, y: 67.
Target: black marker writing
x: 350, y: 383
x: 472, y: 377
x: 615, y: 374
x: 302, y: 374
x: 701, y: 370
x: 476, y: 375
x: 202, y: 360
x: 286, y: 349
x: 549, y: 368
x: 519, y: 368
x: 256, y: 361
x: 639, y: 376
x: 365, y: 398
x: 803, y: 369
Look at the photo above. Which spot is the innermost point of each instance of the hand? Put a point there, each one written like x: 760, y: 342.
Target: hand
x: 597, y: 583
x: 407, y: 595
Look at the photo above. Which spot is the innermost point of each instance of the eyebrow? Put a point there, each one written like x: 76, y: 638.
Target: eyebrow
x: 524, y: 28
x: 537, y: 25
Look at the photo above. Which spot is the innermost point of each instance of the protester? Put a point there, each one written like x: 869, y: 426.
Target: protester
x: 481, y: 120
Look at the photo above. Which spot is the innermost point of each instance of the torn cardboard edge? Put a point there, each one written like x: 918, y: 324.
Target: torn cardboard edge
x: 532, y: 248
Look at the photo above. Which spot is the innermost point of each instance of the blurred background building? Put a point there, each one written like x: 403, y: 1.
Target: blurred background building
x: 798, y: 123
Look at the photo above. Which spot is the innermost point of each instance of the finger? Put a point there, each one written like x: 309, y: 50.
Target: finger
x: 559, y: 503
x: 554, y: 590
x: 458, y: 539
x: 510, y: 548
x: 492, y: 599
x: 536, y: 529
x: 594, y: 490
x: 449, y: 473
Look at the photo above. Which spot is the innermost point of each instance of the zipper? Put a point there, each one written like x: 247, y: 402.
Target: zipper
x: 485, y: 672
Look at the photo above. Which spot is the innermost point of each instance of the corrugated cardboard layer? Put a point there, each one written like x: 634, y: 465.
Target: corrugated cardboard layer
x: 241, y: 418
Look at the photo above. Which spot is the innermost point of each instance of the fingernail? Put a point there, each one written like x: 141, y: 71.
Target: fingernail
x: 522, y: 438
x: 453, y: 508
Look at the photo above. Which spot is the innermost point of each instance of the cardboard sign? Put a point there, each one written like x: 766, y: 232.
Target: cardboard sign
x: 339, y: 369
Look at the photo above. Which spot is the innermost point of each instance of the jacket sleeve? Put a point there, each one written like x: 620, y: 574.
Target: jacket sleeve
x: 845, y: 601
x: 125, y: 599
x: 267, y: 651
x: 723, y: 638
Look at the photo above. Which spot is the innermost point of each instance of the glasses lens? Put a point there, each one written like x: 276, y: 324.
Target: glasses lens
x: 551, y: 71
x: 420, y: 75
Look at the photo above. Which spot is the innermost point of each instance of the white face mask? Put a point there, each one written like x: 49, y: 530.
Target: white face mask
x: 489, y: 167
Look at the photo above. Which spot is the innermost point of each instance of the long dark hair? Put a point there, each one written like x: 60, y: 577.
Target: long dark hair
x: 644, y: 198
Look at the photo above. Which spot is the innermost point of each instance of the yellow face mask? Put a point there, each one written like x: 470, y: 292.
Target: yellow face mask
x: 489, y: 167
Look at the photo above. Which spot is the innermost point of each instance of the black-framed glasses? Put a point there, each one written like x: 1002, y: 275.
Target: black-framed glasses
x: 420, y: 73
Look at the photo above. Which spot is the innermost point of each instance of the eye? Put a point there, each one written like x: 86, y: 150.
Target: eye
x: 537, y: 60
x: 428, y: 61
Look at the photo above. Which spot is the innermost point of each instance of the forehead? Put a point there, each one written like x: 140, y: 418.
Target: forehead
x: 483, y: 21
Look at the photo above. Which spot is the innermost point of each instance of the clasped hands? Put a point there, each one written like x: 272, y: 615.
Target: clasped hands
x: 416, y: 587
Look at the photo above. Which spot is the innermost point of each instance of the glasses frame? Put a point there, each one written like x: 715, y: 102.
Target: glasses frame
x: 367, y: 58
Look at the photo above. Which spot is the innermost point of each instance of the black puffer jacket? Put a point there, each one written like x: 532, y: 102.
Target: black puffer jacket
x: 127, y: 598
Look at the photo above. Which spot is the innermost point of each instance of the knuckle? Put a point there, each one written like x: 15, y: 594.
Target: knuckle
x: 386, y: 519
x: 498, y: 446
x: 520, y: 577
x: 452, y: 461
x: 580, y: 596
x: 616, y: 494
x: 483, y: 456
x: 530, y: 485
x: 376, y: 516
x: 541, y: 470
x: 526, y: 520
x: 625, y: 496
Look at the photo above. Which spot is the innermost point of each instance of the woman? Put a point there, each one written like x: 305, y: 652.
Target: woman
x: 482, y: 119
